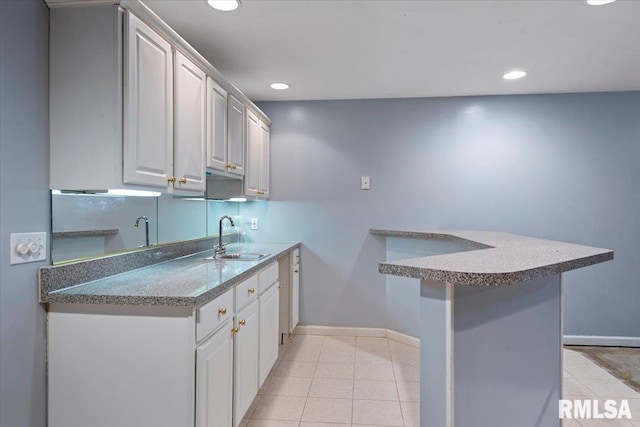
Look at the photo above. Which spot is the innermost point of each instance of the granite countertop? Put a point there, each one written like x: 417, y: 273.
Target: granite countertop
x: 85, y: 233
x: 187, y: 281
x: 498, y: 259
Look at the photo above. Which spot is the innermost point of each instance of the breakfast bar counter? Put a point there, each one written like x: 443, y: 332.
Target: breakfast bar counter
x: 491, y: 326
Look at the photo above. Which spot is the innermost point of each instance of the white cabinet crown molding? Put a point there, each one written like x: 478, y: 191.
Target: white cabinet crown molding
x: 155, y: 22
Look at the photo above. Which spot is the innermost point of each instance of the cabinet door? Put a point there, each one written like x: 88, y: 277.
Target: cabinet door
x: 269, y: 312
x: 214, y: 379
x: 216, y: 126
x: 190, y: 125
x: 148, y: 110
x: 252, y: 174
x: 295, y: 297
x: 264, y: 161
x: 245, y: 355
x: 236, y: 136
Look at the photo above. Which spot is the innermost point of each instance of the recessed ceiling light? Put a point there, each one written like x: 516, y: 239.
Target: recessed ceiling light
x: 279, y: 86
x: 599, y: 2
x: 224, y: 5
x: 512, y: 75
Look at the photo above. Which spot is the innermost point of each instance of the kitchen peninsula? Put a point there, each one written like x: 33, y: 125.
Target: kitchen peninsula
x: 491, y: 326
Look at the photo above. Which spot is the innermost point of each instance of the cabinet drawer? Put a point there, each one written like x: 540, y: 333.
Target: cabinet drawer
x: 268, y: 277
x: 246, y: 291
x: 214, y: 314
x: 295, y: 257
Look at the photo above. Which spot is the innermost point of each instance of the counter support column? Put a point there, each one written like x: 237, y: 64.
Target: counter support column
x: 436, y: 354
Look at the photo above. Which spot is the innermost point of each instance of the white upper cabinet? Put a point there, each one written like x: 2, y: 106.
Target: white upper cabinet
x: 190, y: 125
x: 216, y: 126
x: 256, y: 182
x: 252, y: 176
x: 236, y: 136
x: 263, y: 189
x: 148, y: 116
x: 133, y: 106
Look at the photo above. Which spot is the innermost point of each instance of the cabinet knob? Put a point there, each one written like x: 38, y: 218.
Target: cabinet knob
x: 281, y: 287
x: 228, y: 165
x: 295, y: 271
x: 242, y: 322
x: 235, y: 331
x: 222, y: 311
x: 251, y: 290
x: 171, y: 179
x: 234, y: 167
x: 182, y: 180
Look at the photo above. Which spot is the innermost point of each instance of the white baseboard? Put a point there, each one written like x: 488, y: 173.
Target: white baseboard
x: 591, y: 340
x: 339, y: 331
x: 601, y: 341
x: 403, y: 338
x: 357, y: 332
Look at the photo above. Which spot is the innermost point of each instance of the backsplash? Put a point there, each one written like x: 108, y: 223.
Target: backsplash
x: 170, y: 220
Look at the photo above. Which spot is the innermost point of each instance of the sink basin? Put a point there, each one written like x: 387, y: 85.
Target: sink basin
x: 239, y: 256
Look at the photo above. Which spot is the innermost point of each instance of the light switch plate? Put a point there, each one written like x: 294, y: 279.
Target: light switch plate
x: 365, y: 183
x: 254, y: 223
x: 28, y: 247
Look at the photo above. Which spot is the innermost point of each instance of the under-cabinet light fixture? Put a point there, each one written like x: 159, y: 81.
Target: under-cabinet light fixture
x: 113, y: 192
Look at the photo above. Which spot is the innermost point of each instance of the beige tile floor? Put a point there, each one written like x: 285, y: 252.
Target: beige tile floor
x: 583, y: 379
x: 327, y: 381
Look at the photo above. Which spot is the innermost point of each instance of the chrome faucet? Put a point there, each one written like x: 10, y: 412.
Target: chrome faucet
x: 220, y: 247
x: 146, y: 228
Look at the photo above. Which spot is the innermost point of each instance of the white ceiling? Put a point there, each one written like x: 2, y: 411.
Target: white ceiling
x: 347, y: 49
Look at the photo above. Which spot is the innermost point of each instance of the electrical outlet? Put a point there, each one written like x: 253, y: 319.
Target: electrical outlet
x: 28, y: 247
x: 254, y: 223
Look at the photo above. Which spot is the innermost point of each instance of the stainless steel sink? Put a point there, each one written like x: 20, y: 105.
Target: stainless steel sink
x: 239, y: 256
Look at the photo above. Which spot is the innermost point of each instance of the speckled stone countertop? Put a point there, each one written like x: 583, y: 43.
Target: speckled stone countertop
x: 499, y: 259
x: 85, y: 233
x: 188, y: 281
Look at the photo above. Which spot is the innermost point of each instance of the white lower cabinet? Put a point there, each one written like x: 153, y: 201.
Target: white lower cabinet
x: 269, y: 316
x: 245, y: 357
x: 154, y: 366
x: 289, y: 277
x: 295, y: 295
x: 214, y: 379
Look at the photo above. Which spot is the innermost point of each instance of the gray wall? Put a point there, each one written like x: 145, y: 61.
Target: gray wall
x: 561, y: 167
x: 24, y: 206
x: 403, y: 293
